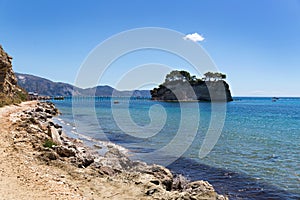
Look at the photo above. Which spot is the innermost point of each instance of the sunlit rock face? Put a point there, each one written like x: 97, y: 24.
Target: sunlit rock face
x: 8, y: 81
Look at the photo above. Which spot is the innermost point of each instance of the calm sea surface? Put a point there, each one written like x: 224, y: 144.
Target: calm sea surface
x: 257, y: 155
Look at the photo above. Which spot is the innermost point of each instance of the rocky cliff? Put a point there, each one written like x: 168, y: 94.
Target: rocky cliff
x: 10, y: 92
x: 187, y: 88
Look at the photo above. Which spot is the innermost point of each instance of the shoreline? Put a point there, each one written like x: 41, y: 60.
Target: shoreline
x: 79, y: 171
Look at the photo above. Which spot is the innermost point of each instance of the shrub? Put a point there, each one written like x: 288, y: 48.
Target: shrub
x: 49, y: 143
x: 21, y: 95
x: 5, y: 100
x: 18, y: 97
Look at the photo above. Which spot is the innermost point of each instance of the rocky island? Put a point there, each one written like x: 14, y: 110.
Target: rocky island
x: 181, y: 86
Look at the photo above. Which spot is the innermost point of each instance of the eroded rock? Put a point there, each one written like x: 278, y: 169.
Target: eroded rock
x: 65, y: 151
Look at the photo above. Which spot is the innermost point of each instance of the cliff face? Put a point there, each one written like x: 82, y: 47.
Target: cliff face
x: 200, y: 91
x: 10, y: 92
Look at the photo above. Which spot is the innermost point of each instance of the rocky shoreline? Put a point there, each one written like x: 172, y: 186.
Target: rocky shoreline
x: 95, y: 176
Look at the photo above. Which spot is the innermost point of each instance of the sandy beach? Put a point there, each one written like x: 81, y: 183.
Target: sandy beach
x: 29, y: 170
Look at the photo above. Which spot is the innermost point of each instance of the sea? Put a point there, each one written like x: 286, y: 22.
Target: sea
x: 247, y: 149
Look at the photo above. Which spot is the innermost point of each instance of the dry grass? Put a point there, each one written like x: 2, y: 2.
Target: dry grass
x: 17, y: 98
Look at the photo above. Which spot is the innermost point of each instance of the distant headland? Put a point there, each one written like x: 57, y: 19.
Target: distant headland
x: 181, y: 86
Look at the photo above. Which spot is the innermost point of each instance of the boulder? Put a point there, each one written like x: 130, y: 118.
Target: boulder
x: 201, y: 190
x: 65, y: 151
x: 164, y: 176
x: 106, y: 170
x: 49, y: 155
x: 54, y: 134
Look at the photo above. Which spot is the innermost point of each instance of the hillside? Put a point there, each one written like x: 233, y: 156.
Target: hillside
x: 47, y: 87
x: 10, y: 92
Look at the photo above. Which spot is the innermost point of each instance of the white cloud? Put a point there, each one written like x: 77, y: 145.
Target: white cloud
x: 195, y: 37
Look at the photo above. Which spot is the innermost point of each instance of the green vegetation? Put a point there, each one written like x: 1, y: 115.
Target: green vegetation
x: 18, y: 97
x: 184, y: 76
x: 49, y: 143
x: 214, y: 76
x: 22, y: 95
x: 175, y: 77
x: 5, y: 100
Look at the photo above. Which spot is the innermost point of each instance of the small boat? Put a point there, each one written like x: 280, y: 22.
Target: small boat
x: 116, y: 102
x: 274, y: 99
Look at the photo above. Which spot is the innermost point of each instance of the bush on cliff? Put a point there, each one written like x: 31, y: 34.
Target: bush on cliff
x: 18, y: 97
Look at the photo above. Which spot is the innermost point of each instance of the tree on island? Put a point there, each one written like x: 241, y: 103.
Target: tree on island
x: 184, y: 76
x: 214, y: 76
x: 176, y: 75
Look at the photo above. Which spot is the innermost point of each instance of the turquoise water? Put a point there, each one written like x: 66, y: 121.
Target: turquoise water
x: 255, y: 157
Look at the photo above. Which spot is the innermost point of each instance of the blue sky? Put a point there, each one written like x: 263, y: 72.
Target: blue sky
x: 255, y: 42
